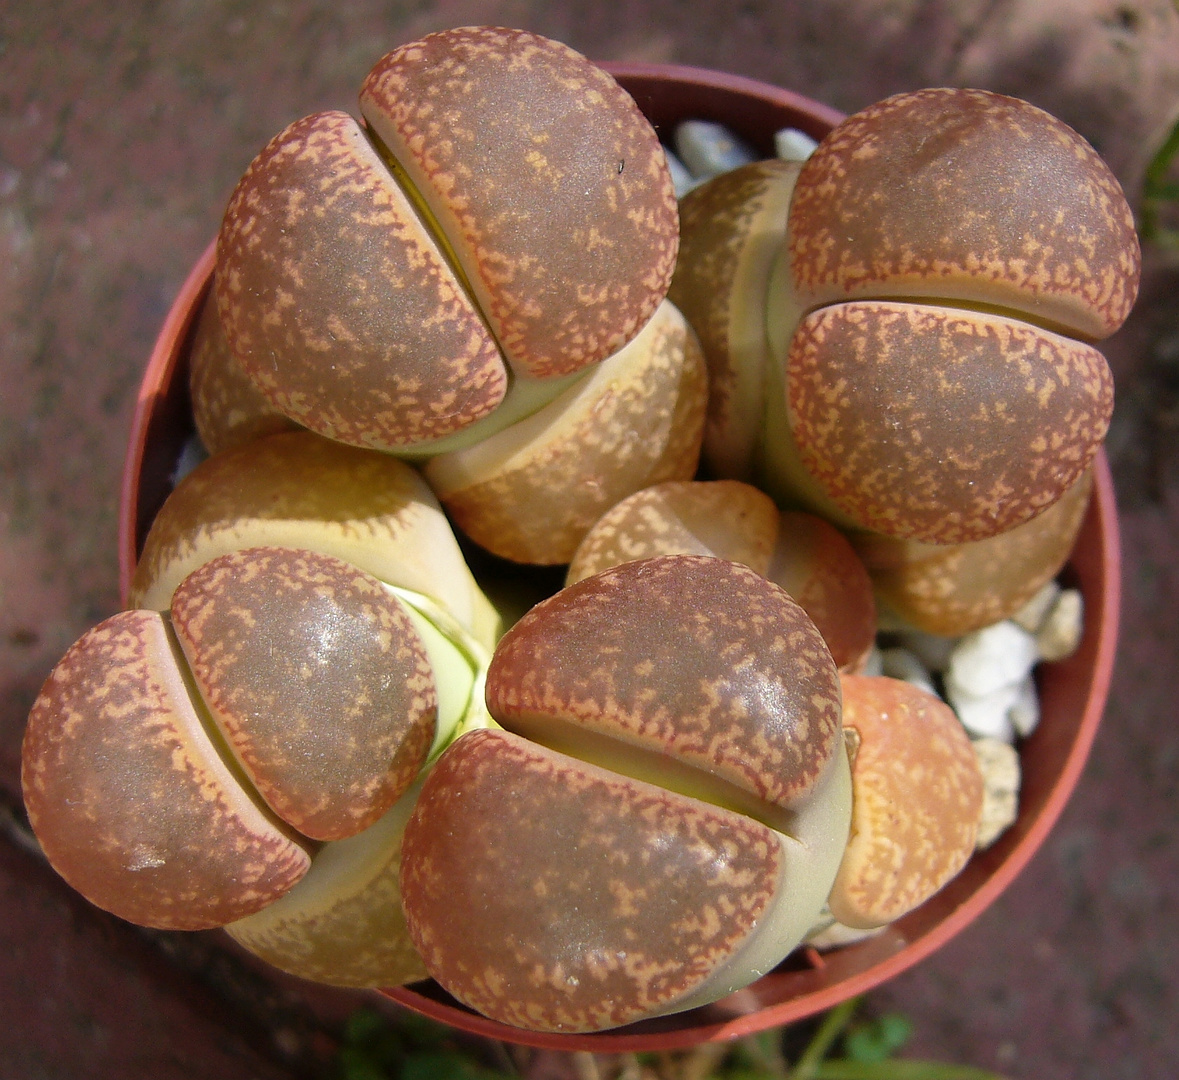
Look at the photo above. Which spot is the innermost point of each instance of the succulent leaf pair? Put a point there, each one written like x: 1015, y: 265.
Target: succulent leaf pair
x: 504, y: 213
x: 643, y: 795
x: 898, y: 333
x: 473, y: 277
x: 684, y: 706
x: 907, y: 349
x: 257, y: 741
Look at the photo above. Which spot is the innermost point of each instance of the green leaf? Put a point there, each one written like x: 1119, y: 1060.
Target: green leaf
x: 900, y: 1069
x: 380, y: 1047
x: 442, y: 1065
x: 371, y: 1048
x: 1157, y: 191
x: 352, y: 1065
x: 742, y: 1057
x: 421, y: 1032
x: 879, y: 1039
x: 1160, y: 164
x: 363, y: 1025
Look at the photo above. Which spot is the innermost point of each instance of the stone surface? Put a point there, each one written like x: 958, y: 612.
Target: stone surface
x: 709, y: 149
x: 991, y: 658
x: 999, y: 763
x: 793, y: 145
x: 1061, y: 632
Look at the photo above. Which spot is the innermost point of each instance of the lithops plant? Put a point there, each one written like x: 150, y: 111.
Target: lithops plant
x: 950, y: 255
x: 731, y: 229
x: 662, y: 818
x: 663, y: 807
x: 316, y: 678
x: 952, y: 589
x: 227, y: 408
x: 942, y: 425
x: 531, y: 492
x: 114, y: 814
x: 342, y: 922
x: 178, y: 766
x: 728, y: 519
x: 917, y: 798
x: 296, y: 489
x: 502, y: 221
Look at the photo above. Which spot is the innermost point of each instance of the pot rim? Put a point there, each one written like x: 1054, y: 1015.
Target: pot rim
x: 1081, y: 682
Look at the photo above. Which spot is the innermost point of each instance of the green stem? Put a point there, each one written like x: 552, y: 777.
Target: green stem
x: 820, y: 1045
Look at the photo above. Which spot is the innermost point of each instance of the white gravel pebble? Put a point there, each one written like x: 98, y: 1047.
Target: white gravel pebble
x: 1032, y: 615
x: 709, y: 149
x: 1024, y: 712
x: 1060, y: 633
x: 790, y: 144
x: 1000, y: 768
x: 986, y: 716
x: 992, y: 658
x: 900, y: 663
x: 681, y: 179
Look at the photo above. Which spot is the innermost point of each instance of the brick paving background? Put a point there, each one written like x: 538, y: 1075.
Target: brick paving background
x: 123, y: 127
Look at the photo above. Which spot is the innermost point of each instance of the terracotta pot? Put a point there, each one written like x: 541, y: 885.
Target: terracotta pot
x: 1073, y: 693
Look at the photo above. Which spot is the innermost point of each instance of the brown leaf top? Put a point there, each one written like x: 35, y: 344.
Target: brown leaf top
x: 556, y: 896
x: 549, y: 183
x: 337, y: 300
x: 941, y: 424
x: 917, y: 797
x: 317, y: 678
x: 966, y: 195
x: 724, y: 518
x: 697, y: 659
x: 129, y: 797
